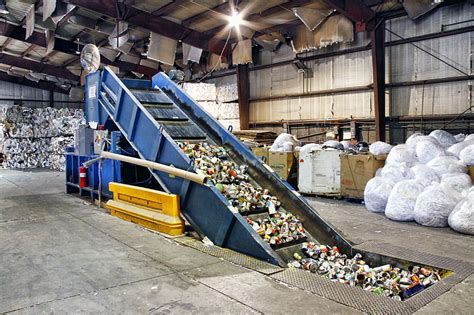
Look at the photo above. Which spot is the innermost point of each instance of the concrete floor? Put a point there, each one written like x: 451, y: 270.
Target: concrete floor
x: 62, y: 255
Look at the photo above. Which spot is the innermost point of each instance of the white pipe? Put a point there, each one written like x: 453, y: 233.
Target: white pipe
x: 197, y: 178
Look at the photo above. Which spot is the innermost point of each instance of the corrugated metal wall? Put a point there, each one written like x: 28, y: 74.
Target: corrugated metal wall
x: 403, y: 63
x: 22, y: 94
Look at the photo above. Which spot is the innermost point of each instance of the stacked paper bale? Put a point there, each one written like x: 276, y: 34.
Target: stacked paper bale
x: 58, y: 147
x: 219, y: 102
x: 425, y: 180
x: 36, y: 137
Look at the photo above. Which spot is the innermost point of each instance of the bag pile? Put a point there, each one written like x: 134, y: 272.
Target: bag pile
x: 37, y: 137
x: 425, y: 180
x: 284, y: 143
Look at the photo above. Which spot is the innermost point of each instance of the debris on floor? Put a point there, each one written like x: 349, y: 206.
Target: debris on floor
x: 383, y: 280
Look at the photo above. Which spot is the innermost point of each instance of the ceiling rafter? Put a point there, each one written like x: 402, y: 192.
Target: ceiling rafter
x: 66, y: 17
x: 67, y: 47
x: 155, y: 24
x: 223, y: 8
x: 28, y: 50
x: 167, y: 8
x: 37, y: 67
x: 6, y: 43
x: 43, y: 85
x: 355, y: 10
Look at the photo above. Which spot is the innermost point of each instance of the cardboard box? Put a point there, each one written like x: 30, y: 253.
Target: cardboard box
x: 356, y: 171
x: 283, y: 163
x: 471, y: 172
x: 261, y: 152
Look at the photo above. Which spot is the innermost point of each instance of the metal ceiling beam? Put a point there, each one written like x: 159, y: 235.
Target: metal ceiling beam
x: 356, y: 11
x: 6, y: 43
x: 167, y: 8
x: 155, y: 24
x: 223, y: 8
x: 66, y: 17
x: 37, y: 67
x: 39, y: 85
x: 28, y: 50
x: 67, y: 47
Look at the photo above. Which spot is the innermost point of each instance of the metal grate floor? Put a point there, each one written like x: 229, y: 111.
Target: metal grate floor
x: 351, y: 296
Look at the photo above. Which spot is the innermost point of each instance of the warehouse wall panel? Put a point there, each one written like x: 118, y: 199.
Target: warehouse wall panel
x: 404, y: 63
x: 22, y: 94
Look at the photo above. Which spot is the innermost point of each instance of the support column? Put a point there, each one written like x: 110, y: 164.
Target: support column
x: 243, y: 89
x: 377, y: 37
x: 51, y: 98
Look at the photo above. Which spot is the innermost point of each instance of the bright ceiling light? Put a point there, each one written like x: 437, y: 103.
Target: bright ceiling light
x: 235, y: 19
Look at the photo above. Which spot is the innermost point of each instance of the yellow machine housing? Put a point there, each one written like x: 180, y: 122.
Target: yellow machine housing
x: 149, y: 208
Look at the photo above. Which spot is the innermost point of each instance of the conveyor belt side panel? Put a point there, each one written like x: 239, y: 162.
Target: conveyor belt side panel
x: 203, y: 206
x: 291, y: 200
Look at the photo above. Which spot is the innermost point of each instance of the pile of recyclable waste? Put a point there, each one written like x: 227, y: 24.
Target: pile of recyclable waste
x: 36, y: 137
x: 274, y: 224
x: 383, y: 280
x: 425, y: 180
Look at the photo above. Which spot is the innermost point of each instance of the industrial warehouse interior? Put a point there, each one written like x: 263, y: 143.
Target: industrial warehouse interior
x: 236, y: 157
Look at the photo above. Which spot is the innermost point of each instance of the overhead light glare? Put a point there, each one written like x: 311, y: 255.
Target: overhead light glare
x: 235, y: 19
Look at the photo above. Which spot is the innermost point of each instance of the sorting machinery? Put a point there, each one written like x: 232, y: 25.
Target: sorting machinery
x: 148, y: 119
x: 151, y: 117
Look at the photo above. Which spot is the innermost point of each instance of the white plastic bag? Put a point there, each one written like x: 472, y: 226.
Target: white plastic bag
x: 467, y: 155
x: 425, y: 174
x: 333, y: 144
x: 460, y: 137
x: 427, y: 150
x: 401, y: 154
x: 411, y: 140
x: 456, y: 149
x: 412, y: 143
x: 457, y: 181
x: 310, y: 146
x: 446, y: 164
x: 287, y: 146
x: 379, y: 148
x: 345, y: 144
x: 394, y: 173
x: 402, y: 199
x: 444, y: 138
x: 376, y: 194
x: 273, y: 148
x: 282, y: 138
x: 469, y: 137
x: 434, y: 205
x: 461, y: 219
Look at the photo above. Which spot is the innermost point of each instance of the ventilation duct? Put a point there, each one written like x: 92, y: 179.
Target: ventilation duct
x: 162, y: 49
x: 31, y: 78
x: 417, y: 8
x: 30, y: 21
x: 310, y: 17
x: 108, y: 53
x: 61, y: 10
x: 50, y: 40
x: 48, y: 8
x: 270, y: 41
x: 191, y: 53
x: 337, y: 29
x: 119, y: 35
